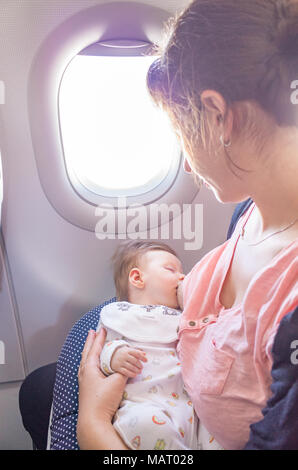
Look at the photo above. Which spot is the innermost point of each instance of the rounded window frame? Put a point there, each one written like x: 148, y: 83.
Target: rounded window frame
x: 158, y: 185
x: 98, y: 24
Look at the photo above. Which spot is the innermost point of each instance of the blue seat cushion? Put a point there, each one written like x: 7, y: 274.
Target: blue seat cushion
x: 65, y: 395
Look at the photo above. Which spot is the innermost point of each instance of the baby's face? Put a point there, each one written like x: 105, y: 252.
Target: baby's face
x: 162, y: 272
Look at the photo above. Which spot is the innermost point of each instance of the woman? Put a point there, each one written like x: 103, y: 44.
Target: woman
x: 225, y: 77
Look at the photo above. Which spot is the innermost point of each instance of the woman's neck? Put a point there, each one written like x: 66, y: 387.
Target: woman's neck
x: 275, y: 191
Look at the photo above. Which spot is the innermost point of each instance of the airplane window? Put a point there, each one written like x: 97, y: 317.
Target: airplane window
x: 115, y: 141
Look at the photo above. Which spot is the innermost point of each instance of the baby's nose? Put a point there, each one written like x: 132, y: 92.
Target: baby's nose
x: 181, y: 277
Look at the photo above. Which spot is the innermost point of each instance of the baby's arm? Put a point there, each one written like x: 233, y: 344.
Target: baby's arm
x: 127, y: 361
x: 119, y: 356
x: 108, y: 352
x: 180, y: 295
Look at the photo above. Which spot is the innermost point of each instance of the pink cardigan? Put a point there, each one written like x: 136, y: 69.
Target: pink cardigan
x: 226, y: 353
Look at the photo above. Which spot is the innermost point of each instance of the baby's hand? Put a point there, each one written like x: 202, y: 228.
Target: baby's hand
x: 126, y: 361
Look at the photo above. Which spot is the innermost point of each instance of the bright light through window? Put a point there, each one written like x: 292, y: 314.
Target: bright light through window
x: 113, y: 136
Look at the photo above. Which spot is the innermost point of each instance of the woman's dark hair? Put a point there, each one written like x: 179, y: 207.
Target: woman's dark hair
x: 247, y: 50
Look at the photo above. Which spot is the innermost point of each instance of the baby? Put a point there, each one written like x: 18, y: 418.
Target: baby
x: 155, y: 412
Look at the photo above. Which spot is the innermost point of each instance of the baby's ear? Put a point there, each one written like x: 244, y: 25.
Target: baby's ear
x: 136, y: 279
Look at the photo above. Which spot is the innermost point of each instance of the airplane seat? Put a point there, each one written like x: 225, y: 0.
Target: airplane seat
x: 35, y: 400
x: 39, y: 387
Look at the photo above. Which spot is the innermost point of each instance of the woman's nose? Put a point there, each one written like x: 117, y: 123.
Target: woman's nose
x: 186, y: 166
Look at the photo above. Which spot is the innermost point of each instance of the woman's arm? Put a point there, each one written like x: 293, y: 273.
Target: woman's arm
x: 99, y: 399
x: 94, y: 434
x: 278, y: 430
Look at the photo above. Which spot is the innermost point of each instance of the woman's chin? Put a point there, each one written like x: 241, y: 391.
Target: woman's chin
x: 223, y: 196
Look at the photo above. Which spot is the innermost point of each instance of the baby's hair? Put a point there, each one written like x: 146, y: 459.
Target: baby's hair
x: 247, y: 50
x: 126, y: 257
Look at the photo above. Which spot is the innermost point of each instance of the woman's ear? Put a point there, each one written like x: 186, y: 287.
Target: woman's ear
x: 220, y: 115
x: 136, y: 278
x: 214, y: 102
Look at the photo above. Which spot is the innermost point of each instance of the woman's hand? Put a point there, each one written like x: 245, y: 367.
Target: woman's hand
x: 99, y: 399
x: 98, y: 393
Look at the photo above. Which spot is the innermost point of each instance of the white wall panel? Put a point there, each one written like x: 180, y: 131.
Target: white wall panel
x: 11, y: 361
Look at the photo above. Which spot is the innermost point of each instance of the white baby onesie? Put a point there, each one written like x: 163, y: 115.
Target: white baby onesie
x: 155, y: 412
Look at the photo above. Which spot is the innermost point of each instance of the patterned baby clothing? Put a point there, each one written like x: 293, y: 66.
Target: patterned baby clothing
x: 156, y: 411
